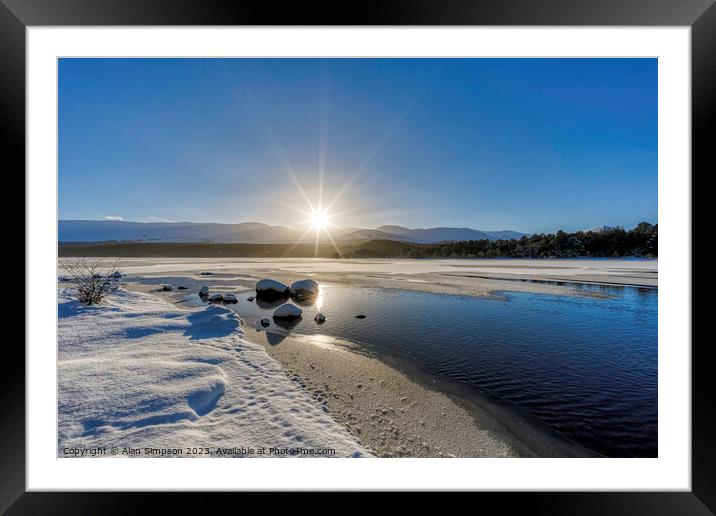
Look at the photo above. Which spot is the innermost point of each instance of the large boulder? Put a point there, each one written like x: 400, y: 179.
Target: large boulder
x: 287, y: 311
x: 304, y: 288
x: 271, y: 289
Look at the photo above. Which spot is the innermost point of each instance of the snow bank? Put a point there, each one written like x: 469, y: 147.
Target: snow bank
x: 137, y: 372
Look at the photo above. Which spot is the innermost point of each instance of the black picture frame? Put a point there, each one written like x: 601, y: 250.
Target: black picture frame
x: 700, y: 15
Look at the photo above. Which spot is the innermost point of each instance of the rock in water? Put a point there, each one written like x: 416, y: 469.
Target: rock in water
x: 361, y: 316
x: 265, y: 321
x: 117, y: 274
x: 287, y: 311
x: 320, y: 318
x: 230, y: 298
x: 216, y: 297
x: 204, y: 290
x: 167, y: 288
x: 181, y: 288
x: 268, y: 289
x: 206, y: 274
x: 304, y: 288
x: 249, y: 299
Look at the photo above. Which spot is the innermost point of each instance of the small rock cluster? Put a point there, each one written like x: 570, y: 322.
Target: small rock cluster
x: 270, y: 289
x: 216, y: 297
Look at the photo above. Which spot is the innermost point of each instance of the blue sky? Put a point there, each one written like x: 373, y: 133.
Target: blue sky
x: 526, y: 144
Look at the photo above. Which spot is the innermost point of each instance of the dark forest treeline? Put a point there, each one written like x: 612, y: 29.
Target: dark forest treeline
x: 642, y: 241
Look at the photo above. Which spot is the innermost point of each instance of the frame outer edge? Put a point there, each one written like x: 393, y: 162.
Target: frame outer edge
x: 12, y: 367
x: 369, y: 12
x: 12, y: 102
x: 703, y: 113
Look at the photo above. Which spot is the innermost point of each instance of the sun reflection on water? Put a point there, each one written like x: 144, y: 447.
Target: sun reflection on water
x: 319, y: 298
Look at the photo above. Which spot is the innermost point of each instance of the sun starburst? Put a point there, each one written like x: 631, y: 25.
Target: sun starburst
x: 319, y: 219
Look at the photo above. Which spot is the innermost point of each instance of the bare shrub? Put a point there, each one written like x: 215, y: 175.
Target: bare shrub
x: 92, y: 280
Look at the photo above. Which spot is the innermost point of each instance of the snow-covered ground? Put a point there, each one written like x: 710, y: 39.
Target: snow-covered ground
x: 138, y: 373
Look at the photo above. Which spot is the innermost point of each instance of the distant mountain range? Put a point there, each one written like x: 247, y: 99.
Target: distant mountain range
x: 255, y: 232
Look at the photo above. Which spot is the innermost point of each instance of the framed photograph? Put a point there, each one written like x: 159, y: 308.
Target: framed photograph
x: 426, y: 248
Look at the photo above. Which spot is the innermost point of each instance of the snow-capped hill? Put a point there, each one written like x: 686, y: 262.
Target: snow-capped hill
x: 433, y: 235
x: 101, y: 230
x: 369, y: 234
x: 394, y: 230
x: 598, y: 229
x: 430, y: 235
x: 254, y: 233
x: 505, y: 235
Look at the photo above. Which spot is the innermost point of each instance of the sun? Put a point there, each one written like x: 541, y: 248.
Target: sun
x: 318, y: 220
x: 319, y: 223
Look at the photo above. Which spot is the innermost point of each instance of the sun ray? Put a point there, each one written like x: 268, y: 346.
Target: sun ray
x: 335, y: 246
x: 297, y: 243
x: 269, y: 135
x: 318, y: 215
x: 323, y: 135
x: 375, y: 151
x: 295, y: 208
